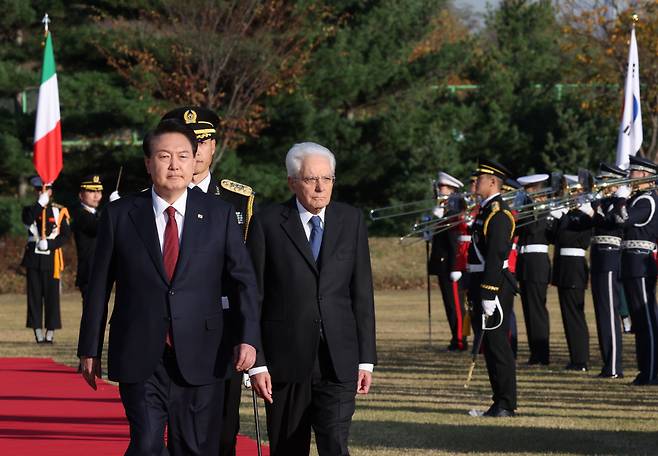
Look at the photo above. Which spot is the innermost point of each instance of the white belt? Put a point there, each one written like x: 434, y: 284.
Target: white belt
x: 609, y: 240
x: 480, y: 267
x: 644, y: 245
x: 572, y: 252
x: 464, y: 238
x: 534, y: 248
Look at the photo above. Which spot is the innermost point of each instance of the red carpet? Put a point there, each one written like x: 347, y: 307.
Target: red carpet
x: 47, y: 409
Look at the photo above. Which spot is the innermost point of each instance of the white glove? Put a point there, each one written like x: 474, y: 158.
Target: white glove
x: 114, y: 196
x: 586, y: 208
x: 455, y: 275
x: 489, y: 306
x: 42, y: 244
x: 624, y: 191
x: 438, y: 211
x: 558, y: 213
x: 43, y: 199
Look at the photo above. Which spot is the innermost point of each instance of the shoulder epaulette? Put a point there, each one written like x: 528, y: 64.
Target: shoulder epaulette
x: 495, y: 207
x: 236, y: 187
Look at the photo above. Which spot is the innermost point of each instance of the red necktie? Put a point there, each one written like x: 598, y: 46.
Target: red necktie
x: 170, y: 246
x: 170, y: 253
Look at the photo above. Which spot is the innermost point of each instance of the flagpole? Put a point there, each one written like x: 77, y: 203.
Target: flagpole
x: 45, y: 21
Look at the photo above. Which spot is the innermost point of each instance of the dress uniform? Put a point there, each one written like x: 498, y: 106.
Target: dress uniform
x: 605, y: 255
x: 491, y: 284
x: 571, y: 233
x: 85, y: 227
x: 637, y: 215
x: 534, y: 274
x: 48, y: 229
x: 443, y: 262
x: 204, y: 124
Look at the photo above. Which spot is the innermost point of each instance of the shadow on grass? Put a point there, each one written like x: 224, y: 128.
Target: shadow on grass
x: 486, y: 438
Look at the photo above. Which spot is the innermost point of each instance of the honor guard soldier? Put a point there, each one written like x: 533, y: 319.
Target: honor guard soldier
x: 533, y: 271
x: 571, y: 232
x: 491, y: 286
x: 85, y: 226
x: 605, y: 255
x: 48, y: 229
x: 637, y: 215
x: 444, y: 258
x: 204, y: 123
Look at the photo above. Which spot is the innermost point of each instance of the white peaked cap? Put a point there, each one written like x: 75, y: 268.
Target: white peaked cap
x: 532, y: 179
x: 571, y: 179
x: 447, y: 179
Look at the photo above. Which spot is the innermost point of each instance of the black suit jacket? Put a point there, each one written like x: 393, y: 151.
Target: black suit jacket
x: 299, y: 297
x: 146, y: 303
x: 85, y: 228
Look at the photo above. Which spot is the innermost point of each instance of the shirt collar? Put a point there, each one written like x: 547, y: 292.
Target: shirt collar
x: 305, y: 215
x: 486, y: 201
x: 203, y: 185
x: 160, y: 205
x: 88, y: 208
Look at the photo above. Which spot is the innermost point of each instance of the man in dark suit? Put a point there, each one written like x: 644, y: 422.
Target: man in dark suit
x: 203, y: 123
x: 167, y: 250
x: 317, y: 310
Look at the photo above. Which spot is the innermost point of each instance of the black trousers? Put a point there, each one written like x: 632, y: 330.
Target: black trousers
x: 641, y: 295
x: 501, y: 365
x: 322, y: 403
x: 230, y: 415
x: 535, y: 314
x: 453, y: 301
x: 572, y: 306
x: 192, y: 413
x: 42, y: 294
x: 605, y: 294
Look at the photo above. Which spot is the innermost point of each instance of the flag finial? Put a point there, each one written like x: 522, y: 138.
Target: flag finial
x: 635, y: 19
x: 45, y: 21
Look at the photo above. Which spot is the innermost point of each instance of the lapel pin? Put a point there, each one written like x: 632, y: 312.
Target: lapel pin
x: 200, y: 216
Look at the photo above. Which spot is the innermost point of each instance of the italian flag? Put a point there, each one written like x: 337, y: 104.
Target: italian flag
x: 48, y: 131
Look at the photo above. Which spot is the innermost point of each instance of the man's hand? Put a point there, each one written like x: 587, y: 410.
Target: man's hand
x: 455, y: 276
x: 262, y: 384
x: 114, y: 196
x: 244, y: 357
x: 364, y: 381
x: 91, y: 368
x: 489, y: 306
x: 624, y: 191
x: 42, y: 245
x: 44, y: 198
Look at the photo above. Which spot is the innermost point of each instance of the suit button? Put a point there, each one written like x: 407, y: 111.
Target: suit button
x: 320, y: 298
x: 172, y: 292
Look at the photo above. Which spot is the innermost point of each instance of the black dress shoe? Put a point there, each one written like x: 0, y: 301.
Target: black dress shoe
x: 640, y: 380
x: 576, y: 367
x: 498, y: 412
x: 611, y: 376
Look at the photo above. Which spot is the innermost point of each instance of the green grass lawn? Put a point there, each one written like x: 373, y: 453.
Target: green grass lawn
x: 418, y: 405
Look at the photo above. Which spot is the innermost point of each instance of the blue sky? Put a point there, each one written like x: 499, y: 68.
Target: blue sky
x: 477, y: 5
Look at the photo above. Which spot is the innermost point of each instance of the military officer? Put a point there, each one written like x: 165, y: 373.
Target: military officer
x: 534, y: 274
x: 84, y: 226
x: 491, y: 286
x: 571, y: 231
x: 444, y: 258
x: 48, y: 229
x: 204, y: 123
x: 636, y: 213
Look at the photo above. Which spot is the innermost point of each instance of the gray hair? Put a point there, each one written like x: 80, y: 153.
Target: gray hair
x: 298, y: 152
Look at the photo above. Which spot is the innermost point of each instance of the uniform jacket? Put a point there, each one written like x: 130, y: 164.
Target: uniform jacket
x: 32, y: 217
x: 299, y: 297
x: 534, y: 266
x: 85, y: 227
x: 605, y: 257
x: 128, y: 253
x: 572, y: 230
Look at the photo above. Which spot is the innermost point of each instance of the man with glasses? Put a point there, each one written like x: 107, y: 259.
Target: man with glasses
x: 317, y: 309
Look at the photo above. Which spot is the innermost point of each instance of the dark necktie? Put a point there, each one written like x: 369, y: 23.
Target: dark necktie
x: 170, y: 246
x: 316, y: 236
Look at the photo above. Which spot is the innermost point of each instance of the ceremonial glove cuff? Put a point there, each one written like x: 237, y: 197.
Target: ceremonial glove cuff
x: 455, y: 276
x: 114, y: 196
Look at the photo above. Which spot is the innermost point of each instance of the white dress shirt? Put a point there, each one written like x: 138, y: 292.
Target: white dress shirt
x: 484, y: 203
x: 305, y: 217
x: 161, y: 217
x: 88, y: 208
x: 203, y: 185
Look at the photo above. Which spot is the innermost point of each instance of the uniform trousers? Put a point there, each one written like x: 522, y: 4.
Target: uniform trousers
x: 572, y: 306
x: 498, y: 354
x: 605, y: 293
x: 192, y: 413
x: 230, y: 415
x: 535, y: 314
x: 641, y: 295
x: 321, y: 402
x: 453, y: 301
x: 42, y: 294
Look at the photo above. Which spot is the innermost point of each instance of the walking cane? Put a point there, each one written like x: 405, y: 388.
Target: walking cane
x: 254, y: 398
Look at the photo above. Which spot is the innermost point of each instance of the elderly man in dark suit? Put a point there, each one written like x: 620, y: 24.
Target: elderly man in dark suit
x: 318, y: 320
x: 167, y: 249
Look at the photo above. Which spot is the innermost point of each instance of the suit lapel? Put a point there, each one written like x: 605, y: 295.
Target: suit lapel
x: 143, y: 218
x: 292, y: 225
x: 195, y: 218
x: 332, y: 229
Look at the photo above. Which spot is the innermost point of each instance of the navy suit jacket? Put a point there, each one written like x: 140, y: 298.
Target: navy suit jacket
x: 146, y: 303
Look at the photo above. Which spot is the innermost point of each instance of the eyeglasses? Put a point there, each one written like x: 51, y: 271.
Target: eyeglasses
x: 314, y: 180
